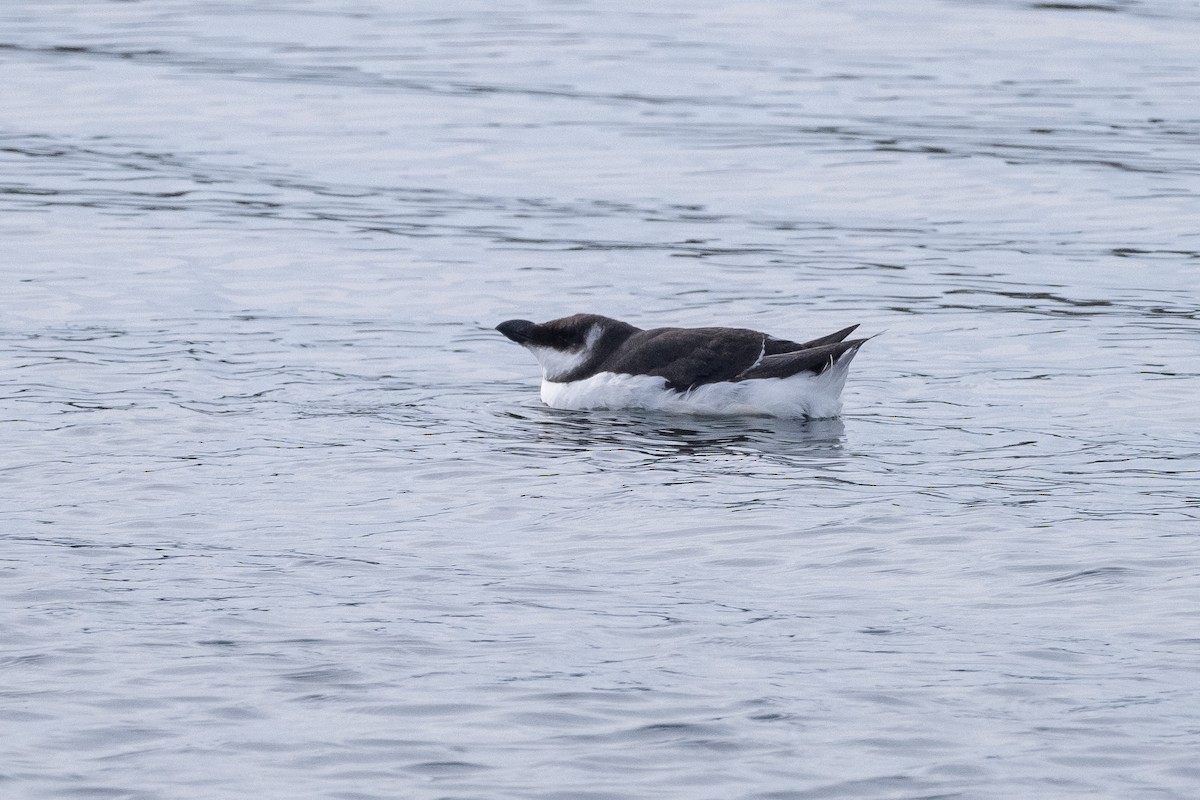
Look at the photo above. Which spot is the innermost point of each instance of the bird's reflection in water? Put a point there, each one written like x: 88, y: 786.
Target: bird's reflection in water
x: 552, y: 433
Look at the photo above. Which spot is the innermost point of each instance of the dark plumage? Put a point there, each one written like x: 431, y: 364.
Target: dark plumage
x: 685, y: 357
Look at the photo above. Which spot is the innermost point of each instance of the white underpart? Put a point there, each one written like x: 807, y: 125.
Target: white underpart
x: 802, y: 395
x: 557, y: 363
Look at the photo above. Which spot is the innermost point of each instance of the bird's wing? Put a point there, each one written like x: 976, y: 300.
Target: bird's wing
x: 777, y: 346
x: 688, y: 357
x: 813, y: 359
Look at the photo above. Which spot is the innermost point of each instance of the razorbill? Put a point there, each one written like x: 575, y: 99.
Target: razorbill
x: 590, y: 361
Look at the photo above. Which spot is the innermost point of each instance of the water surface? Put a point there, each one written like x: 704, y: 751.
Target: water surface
x: 283, y: 516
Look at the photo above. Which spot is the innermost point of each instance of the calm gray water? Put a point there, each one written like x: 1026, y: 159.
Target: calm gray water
x: 281, y: 516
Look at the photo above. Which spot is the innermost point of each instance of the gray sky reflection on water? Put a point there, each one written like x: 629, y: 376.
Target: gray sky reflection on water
x: 277, y: 497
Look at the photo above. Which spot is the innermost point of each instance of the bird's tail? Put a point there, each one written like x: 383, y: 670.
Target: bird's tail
x: 816, y: 360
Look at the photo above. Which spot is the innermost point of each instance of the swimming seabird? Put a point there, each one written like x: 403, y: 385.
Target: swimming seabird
x: 594, y: 362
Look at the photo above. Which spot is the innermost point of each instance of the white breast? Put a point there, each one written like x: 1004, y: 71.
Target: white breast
x: 556, y: 363
x: 803, y: 395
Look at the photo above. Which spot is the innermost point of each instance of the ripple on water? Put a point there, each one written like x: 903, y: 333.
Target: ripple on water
x: 276, y: 496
